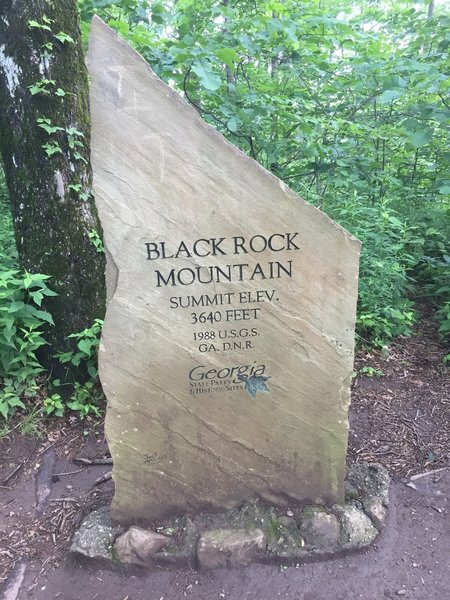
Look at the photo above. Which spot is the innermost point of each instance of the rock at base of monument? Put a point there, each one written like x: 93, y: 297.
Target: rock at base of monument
x: 320, y: 529
x: 357, y: 530
x: 211, y: 540
x: 283, y: 539
x: 95, y: 537
x: 370, y: 480
x: 376, y: 510
x: 182, y: 549
x: 138, y: 546
x: 230, y: 547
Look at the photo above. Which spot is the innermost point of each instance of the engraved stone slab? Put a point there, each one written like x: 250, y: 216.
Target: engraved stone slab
x: 227, y: 348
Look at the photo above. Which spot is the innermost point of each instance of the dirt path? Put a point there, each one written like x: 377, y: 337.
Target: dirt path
x: 400, y: 418
x: 411, y: 559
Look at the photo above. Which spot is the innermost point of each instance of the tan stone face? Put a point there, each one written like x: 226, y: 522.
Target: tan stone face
x: 227, y: 349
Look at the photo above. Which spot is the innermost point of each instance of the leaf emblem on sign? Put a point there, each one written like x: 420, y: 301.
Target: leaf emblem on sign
x: 254, y: 384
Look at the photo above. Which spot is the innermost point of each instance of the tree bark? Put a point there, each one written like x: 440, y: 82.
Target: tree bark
x: 53, y: 222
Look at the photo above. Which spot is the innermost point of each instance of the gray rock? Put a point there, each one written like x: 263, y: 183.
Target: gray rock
x: 13, y: 584
x: 182, y: 548
x: 44, y: 480
x: 229, y: 547
x: 96, y: 535
x: 357, y: 530
x: 283, y: 537
x: 320, y: 529
x: 287, y: 522
x: 370, y: 479
x: 351, y: 493
x: 137, y: 546
x: 376, y: 510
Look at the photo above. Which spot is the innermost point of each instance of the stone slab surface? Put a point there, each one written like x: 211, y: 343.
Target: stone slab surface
x: 137, y: 546
x: 227, y: 349
x: 96, y: 536
x: 229, y: 547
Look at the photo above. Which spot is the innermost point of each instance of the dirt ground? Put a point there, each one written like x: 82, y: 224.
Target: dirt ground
x: 400, y: 417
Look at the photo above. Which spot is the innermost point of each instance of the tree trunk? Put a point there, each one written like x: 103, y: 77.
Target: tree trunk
x: 43, y: 86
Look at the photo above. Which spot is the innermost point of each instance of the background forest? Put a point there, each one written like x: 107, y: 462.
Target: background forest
x: 347, y: 102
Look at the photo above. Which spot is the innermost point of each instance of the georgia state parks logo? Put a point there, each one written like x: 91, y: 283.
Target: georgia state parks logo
x: 252, y: 376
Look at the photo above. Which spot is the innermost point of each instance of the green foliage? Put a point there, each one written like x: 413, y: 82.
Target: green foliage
x: 85, y: 357
x: 73, y: 137
x: 96, y: 240
x: 14, y: 394
x: 41, y: 87
x: 63, y: 140
x: 347, y: 102
x: 21, y: 322
x: 433, y: 271
x: 322, y: 94
x: 53, y: 406
x: 21, y: 325
x: 85, y: 398
x: 31, y: 422
x: 390, y: 250
x: 43, y: 26
x: 64, y: 37
x: 443, y: 316
x: 371, y: 372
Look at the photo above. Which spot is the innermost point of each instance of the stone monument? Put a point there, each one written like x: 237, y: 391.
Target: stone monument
x: 227, y: 350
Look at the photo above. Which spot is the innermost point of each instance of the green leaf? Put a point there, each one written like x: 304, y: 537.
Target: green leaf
x: 395, y: 222
x: 207, y: 77
x: 411, y: 124
x: 37, y: 297
x: 227, y: 56
x: 420, y: 138
x: 41, y: 314
x: 35, y: 25
x: 64, y: 37
x: 16, y: 306
x: 389, y: 95
x: 85, y: 346
x: 15, y: 401
x: 51, y: 149
x: 232, y: 124
x: 47, y: 126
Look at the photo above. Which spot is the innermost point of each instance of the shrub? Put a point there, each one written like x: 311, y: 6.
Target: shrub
x: 21, y: 326
x: 390, y: 251
x: 86, y: 397
x: 433, y: 270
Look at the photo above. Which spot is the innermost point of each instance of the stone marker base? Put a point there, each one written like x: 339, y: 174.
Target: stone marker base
x: 255, y: 532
